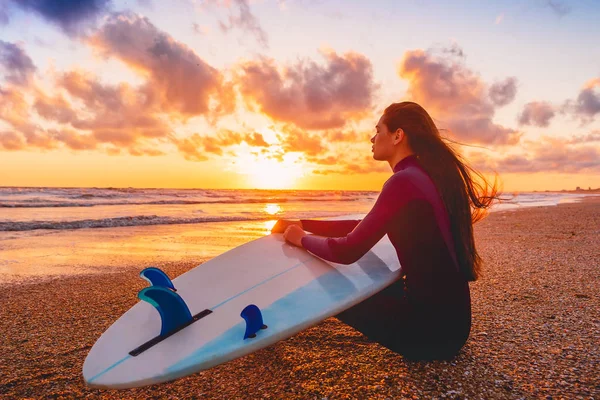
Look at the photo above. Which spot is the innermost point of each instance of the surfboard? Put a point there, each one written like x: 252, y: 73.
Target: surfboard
x: 239, y: 302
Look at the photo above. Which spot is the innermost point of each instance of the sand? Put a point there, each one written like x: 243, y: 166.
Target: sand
x: 535, y: 334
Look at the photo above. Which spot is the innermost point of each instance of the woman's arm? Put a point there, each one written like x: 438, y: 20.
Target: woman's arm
x: 350, y: 248
x: 318, y: 227
x: 329, y: 228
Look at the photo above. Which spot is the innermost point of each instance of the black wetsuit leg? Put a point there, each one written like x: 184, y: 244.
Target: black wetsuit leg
x: 388, y: 319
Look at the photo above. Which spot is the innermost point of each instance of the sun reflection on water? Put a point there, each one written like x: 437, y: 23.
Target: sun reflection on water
x: 269, y: 225
x: 272, y: 208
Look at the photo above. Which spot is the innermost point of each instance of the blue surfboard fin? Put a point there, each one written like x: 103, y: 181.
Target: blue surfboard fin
x: 173, y: 311
x: 156, y: 277
x: 254, y: 321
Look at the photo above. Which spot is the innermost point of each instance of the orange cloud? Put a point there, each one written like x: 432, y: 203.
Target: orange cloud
x: 310, y: 95
x: 456, y: 96
x: 118, y: 115
x: 197, y: 147
x: 54, y: 109
x: 299, y: 140
x: 590, y: 137
x: 74, y: 140
x: 365, y: 165
x: 11, y: 141
x: 178, y: 79
x: 15, y: 111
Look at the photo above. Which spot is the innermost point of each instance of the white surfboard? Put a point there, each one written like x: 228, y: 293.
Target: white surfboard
x: 293, y: 289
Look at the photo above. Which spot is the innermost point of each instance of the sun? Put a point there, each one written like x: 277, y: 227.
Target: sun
x: 273, y: 174
x: 268, y: 167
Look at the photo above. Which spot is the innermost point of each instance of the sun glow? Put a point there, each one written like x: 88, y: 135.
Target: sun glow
x: 269, y: 169
x: 272, y: 174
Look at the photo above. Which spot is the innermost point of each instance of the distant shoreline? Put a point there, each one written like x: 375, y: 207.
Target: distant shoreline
x: 580, y: 191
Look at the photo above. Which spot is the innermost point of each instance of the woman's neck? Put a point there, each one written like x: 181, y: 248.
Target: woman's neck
x: 399, y: 157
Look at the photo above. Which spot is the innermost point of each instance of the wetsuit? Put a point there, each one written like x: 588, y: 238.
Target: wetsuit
x: 426, y: 314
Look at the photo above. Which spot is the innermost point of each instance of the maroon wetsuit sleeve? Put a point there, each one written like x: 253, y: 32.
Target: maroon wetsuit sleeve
x: 329, y: 228
x: 350, y: 248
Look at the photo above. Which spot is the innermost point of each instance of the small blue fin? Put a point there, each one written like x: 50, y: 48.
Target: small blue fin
x: 171, y: 307
x: 254, y: 320
x: 156, y: 277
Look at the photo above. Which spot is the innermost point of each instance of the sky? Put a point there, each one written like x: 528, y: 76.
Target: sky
x: 286, y: 94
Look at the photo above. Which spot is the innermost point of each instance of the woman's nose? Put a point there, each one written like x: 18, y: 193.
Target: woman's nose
x: 373, y: 139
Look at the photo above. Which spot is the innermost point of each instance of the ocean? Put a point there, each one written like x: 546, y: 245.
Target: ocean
x: 27, y: 209
x: 52, y: 232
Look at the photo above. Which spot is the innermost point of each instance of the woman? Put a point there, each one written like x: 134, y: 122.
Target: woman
x: 427, y: 208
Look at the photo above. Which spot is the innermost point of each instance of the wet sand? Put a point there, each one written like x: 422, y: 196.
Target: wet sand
x: 536, y: 328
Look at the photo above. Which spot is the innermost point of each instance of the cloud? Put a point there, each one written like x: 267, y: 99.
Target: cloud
x: 110, y: 108
x: 307, y: 94
x: 547, y: 155
x: 71, y: 16
x: 590, y: 137
x: 16, y: 65
x: 198, y: 147
x: 14, y: 110
x: 292, y: 139
x: 256, y: 139
x: 561, y: 8
x: 54, y: 109
x: 90, y: 115
x: 537, y: 113
x: 181, y: 81
x: 587, y: 104
x: 365, y: 165
x: 75, y: 140
x: 456, y: 96
x: 11, y: 141
x: 328, y: 160
x: 245, y: 21
x: 502, y: 93
x: 191, y: 148
x: 499, y: 19
x: 349, y: 135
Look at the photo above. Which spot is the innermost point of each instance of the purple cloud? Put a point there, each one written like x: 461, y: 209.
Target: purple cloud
x: 537, y: 113
x: 71, y: 16
x: 18, y: 68
x: 502, y: 93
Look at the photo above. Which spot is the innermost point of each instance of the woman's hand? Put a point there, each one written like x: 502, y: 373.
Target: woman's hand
x: 294, y: 234
x: 281, y: 225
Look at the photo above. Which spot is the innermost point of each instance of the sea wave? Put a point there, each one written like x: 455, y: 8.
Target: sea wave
x: 140, y: 220
x: 46, y: 204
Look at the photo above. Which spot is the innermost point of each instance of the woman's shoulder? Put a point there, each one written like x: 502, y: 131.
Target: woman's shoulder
x: 404, y: 176
x: 400, y: 180
x: 409, y: 181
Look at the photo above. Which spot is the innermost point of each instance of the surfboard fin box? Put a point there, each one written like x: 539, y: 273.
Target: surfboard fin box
x: 254, y: 321
x: 174, y: 314
x: 157, y: 277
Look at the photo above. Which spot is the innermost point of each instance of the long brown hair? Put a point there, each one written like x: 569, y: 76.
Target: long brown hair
x: 466, y: 199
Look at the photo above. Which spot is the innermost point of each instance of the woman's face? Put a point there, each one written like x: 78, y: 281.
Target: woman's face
x: 383, y: 142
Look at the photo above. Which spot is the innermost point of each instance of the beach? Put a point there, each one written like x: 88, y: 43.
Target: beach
x: 535, y: 332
